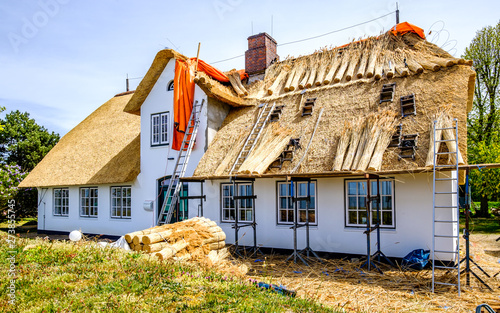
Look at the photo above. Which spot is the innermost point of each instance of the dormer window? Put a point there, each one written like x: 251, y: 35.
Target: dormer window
x: 159, y: 129
x: 170, y: 86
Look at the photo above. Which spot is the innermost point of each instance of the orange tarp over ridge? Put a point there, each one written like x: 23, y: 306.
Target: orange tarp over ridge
x: 405, y: 27
x: 184, y: 93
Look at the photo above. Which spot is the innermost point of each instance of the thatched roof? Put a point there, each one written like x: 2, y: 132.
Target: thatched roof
x: 104, y: 148
x: 211, y: 87
x: 347, y: 84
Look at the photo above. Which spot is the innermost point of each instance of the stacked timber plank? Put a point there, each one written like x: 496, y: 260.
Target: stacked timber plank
x: 191, y: 239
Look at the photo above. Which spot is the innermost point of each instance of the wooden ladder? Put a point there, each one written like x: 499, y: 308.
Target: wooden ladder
x: 174, y: 187
x: 265, y: 111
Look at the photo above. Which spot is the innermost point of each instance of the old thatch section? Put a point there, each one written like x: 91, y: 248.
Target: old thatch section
x: 103, y: 148
x: 347, y: 85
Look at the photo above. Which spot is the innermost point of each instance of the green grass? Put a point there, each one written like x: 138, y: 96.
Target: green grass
x: 81, y: 277
x: 482, y: 225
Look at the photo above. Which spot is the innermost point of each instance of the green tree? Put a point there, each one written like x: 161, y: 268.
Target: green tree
x: 483, y: 121
x: 23, y: 141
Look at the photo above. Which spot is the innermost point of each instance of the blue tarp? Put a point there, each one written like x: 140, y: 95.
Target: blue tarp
x: 417, y: 259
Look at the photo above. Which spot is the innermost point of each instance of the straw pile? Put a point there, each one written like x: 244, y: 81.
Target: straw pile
x: 193, y: 239
x: 362, y: 143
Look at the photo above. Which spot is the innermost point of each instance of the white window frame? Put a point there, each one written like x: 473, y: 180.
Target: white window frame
x: 159, y: 129
x: 387, y: 197
x: 89, y: 201
x: 289, y: 208
x: 245, y: 206
x: 121, y: 206
x: 61, y: 202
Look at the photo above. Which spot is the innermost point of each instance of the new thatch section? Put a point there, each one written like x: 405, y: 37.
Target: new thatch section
x: 347, y: 86
x: 104, y: 148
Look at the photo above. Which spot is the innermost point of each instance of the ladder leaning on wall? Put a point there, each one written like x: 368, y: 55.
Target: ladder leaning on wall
x: 174, y: 187
x: 262, y: 119
x: 446, y: 211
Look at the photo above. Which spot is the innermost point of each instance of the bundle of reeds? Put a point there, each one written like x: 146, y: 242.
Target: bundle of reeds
x: 291, y: 75
x: 344, y: 63
x: 334, y: 65
x: 267, y: 150
x: 234, y: 79
x: 342, y: 145
x: 370, y: 68
x: 444, y: 121
x: 277, y: 81
x: 353, y: 145
x: 353, y: 62
x: 387, y: 125
x: 194, y: 237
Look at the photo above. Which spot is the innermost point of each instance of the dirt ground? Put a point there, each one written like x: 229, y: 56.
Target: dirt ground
x: 343, y: 284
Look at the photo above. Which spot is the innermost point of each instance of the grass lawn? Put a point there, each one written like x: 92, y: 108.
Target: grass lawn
x: 59, y: 276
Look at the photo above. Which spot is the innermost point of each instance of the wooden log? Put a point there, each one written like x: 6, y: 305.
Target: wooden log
x: 170, y: 251
x: 289, y: 80
x: 297, y: 77
x: 312, y: 77
x: 329, y: 75
x: 342, y: 148
x: 414, y: 66
x: 156, y: 237
x: 353, y: 62
x: 362, y: 64
x: 304, y: 80
x: 276, y: 83
x: 353, y: 147
x: 434, y: 146
x: 370, y: 68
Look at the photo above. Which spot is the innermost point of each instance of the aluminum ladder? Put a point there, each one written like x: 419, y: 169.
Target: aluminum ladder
x: 448, y: 205
x: 262, y: 119
x: 174, y: 187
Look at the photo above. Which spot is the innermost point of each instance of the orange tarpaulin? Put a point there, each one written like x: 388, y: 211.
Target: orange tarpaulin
x: 405, y: 27
x: 184, y: 93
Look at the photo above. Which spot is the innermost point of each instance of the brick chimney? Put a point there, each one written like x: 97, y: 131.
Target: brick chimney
x: 261, y: 52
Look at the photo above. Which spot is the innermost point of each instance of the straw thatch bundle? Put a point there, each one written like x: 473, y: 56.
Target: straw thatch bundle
x: 277, y: 82
x: 443, y: 120
x: 353, y: 62
x: 193, y: 238
x: 342, y: 146
x: 333, y: 68
x: 267, y: 150
x: 370, y: 68
x: 289, y: 80
x: 343, y: 66
x: 353, y: 146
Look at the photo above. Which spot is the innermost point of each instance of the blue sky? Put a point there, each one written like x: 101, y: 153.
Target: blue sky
x: 61, y: 59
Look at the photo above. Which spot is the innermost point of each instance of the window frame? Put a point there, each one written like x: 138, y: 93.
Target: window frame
x: 241, y: 209
x: 63, y: 206
x: 89, y: 207
x: 159, y: 132
x: 112, y: 207
x: 315, y: 196
x: 373, y: 209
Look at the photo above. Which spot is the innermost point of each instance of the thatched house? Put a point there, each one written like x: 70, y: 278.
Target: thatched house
x: 330, y: 118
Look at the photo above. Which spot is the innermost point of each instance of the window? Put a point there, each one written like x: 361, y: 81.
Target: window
x: 286, y: 210
x: 356, y: 193
x: 88, y: 202
x: 181, y: 212
x: 159, y: 129
x: 245, y: 206
x: 170, y: 85
x: 61, y: 201
x: 121, y: 202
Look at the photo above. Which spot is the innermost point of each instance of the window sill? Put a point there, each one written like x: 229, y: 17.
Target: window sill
x: 60, y: 216
x: 363, y: 228
x: 160, y: 146
x: 120, y: 219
